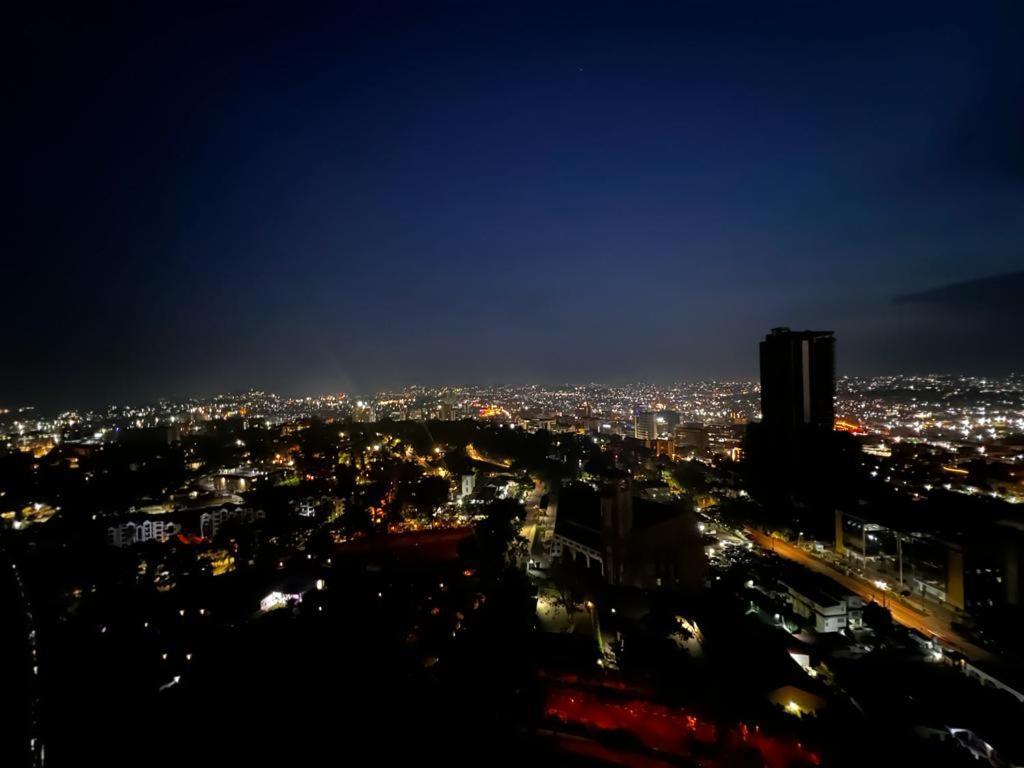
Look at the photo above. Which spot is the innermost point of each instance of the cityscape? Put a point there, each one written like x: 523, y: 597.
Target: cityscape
x: 635, y: 575
x: 577, y: 384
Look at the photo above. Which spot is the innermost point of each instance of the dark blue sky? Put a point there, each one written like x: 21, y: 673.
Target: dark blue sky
x: 388, y: 193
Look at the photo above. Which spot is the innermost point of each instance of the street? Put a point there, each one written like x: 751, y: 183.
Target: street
x: 539, y: 523
x: 928, y: 624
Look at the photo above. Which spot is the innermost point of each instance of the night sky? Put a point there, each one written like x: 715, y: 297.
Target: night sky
x: 385, y: 194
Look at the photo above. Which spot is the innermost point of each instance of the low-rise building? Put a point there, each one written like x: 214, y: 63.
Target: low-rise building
x: 129, y: 533
x: 630, y: 540
x: 211, y: 522
x: 822, y: 602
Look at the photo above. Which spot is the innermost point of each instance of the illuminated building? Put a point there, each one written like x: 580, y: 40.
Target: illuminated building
x: 219, y: 561
x: 831, y: 609
x: 290, y: 593
x: 644, y: 426
x: 237, y: 480
x: 364, y: 413
x: 336, y: 509
x: 691, y: 437
x: 276, y: 599
x: 126, y: 534
x: 211, y: 522
x: 468, y: 485
x: 650, y: 425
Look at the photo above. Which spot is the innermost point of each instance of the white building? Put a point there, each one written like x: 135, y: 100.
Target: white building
x: 305, y: 508
x: 830, y: 610
x: 277, y: 599
x: 211, y: 522
x: 127, y: 534
x: 289, y: 594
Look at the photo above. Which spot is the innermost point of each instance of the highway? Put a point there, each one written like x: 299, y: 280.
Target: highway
x: 928, y: 624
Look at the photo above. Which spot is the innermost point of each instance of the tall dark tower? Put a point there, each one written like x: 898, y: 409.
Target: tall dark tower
x: 798, y: 381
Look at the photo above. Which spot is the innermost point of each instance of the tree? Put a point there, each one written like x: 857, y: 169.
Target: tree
x: 431, y: 492
x: 691, y: 477
x: 498, y: 531
x: 879, y: 619
x: 573, y: 584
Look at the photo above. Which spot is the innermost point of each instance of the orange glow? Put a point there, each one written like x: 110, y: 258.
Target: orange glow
x: 844, y: 425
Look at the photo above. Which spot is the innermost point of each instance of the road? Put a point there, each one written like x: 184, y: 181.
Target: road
x: 539, y: 522
x: 927, y: 624
x: 475, y: 455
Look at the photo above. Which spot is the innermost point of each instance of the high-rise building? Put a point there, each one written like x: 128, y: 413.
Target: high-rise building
x: 692, y: 437
x: 645, y: 425
x: 650, y: 425
x: 665, y: 423
x: 798, y: 381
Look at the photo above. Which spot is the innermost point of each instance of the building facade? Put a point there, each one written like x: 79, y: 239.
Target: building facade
x: 127, y: 534
x: 798, y: 380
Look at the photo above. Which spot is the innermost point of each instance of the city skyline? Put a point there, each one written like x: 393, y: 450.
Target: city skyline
x: 457, y: 382
x: 371, y: 196
x: 646, y: 393
x: 846, y: 549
